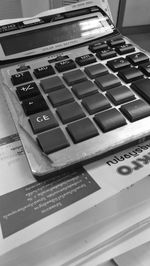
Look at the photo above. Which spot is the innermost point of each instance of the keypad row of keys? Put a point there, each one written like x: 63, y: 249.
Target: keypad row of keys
x: 117, y: 45
x: 98, y: 46
x: 55, y: 139
x: 98, y: 102
x: 134, y: 59
x: 48, y: 70
x: 115, y: 65
x: 102, y: 50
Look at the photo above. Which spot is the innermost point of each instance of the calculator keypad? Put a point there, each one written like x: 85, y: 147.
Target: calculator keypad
x: 76, y: 98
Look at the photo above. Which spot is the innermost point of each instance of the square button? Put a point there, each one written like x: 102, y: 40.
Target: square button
x: 82, y: 130
x: 96, y: 103
x: 110, y: 120
x: 51, y: 84
x: 60, y: 97
x: 52, y: 140
x: 96, y: 70
x: 120, y: 95
x: 84, y: 89
x: 42, y: 121
x: 27, y: 91
x: 34, y: 105
x: 70, y: 112
x: 107, y: 82
x: 73, y: 77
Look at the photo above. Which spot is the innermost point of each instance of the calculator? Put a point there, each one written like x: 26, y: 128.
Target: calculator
x: 76, y: 88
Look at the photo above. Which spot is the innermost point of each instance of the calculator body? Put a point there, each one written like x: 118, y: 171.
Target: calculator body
x: 48, y: 43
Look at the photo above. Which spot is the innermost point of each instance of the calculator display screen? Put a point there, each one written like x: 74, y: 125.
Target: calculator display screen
x: 52, y: 35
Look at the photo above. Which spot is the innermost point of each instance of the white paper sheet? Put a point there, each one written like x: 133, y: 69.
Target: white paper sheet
x: 95, y: 232
x: 138, y: 256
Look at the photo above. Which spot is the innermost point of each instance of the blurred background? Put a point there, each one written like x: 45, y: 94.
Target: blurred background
x: 132, y: 17
x: 25, y: 8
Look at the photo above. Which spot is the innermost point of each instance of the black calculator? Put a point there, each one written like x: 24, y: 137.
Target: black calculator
x: 76, y: 88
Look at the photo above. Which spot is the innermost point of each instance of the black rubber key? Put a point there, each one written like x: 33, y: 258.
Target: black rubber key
x: 43, y: 71
x: 21, y: 77
x: 52, y: 141
x: 136, y: 110
x: 145, y: 68
x: 107, y: 82
x: 118, y: 64
x: 82, y: 130
x: 42, y: 121
x: 65, y: 65
x: 34, y: 105
x: 138, y: 58
x: 110, y: 119
x: 98, y: 47
x: 70, y: 112
x: 60, y: 97
x: 27, y: 91
x: 51, y: 84
x: 120, y: 95
x: 142, y: 87
x: 125, y: 49
x: 96, y: 103
x: 84, y: 89
x: 130, y: 74
x: 116, y: 42
x: 106, y: 54
x: 85, y: 59
x: 73, y: 77
x: 96, y: 70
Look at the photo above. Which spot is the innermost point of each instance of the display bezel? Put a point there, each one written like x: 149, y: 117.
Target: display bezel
x: 58, y: 46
